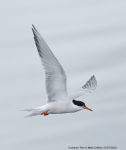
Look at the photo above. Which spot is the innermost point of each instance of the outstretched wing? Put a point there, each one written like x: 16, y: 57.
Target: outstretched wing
x: 88, y: 88
x: 55, y: 76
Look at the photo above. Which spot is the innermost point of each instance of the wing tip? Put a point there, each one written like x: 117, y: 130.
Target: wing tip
x: 34, y: 29
x: 91, y: 83
x: 35, y: 32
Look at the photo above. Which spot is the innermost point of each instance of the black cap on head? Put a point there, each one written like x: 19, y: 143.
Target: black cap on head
x: 79, y: 103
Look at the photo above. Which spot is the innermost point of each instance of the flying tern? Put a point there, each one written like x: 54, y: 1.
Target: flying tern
x: 58, y: 101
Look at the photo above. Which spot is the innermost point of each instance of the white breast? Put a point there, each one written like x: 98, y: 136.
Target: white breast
x: 59, y: 107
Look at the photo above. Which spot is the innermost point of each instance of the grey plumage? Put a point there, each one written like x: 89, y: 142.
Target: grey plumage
x: 55, y: 77
x: 88, y: 88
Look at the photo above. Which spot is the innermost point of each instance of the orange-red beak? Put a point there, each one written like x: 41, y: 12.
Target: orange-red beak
x: 87, y: 108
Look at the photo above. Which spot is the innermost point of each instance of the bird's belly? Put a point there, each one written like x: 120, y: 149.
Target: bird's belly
x: 61, y: 108
x: 58, y: 111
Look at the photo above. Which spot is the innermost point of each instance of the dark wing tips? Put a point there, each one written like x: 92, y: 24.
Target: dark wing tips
x: 33, y: 31
x: 91, y: 84
x: 34, y: 28
x: 36, y: 40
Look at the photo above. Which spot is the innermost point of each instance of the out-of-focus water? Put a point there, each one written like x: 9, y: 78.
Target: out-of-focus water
x: 88, y: 38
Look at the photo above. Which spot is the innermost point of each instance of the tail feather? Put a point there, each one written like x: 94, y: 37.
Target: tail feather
x: 34, y: 112
x: 27, y: 110
x: 31, y: 115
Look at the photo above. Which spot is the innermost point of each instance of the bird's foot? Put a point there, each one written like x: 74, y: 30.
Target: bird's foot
x: 44, y: 113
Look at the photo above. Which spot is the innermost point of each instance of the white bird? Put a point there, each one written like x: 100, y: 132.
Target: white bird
x: 58, y: 101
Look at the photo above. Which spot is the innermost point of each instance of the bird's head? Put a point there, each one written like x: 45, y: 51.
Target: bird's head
x: 81, y: 104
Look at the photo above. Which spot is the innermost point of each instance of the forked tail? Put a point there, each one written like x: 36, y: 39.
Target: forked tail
x: 32, y: 114
x: 27, y: 110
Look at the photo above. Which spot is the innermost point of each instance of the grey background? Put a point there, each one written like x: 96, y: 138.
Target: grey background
x: 88, y: 37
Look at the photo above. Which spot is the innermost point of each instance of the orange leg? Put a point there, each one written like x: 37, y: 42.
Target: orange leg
x: 44, y: 113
